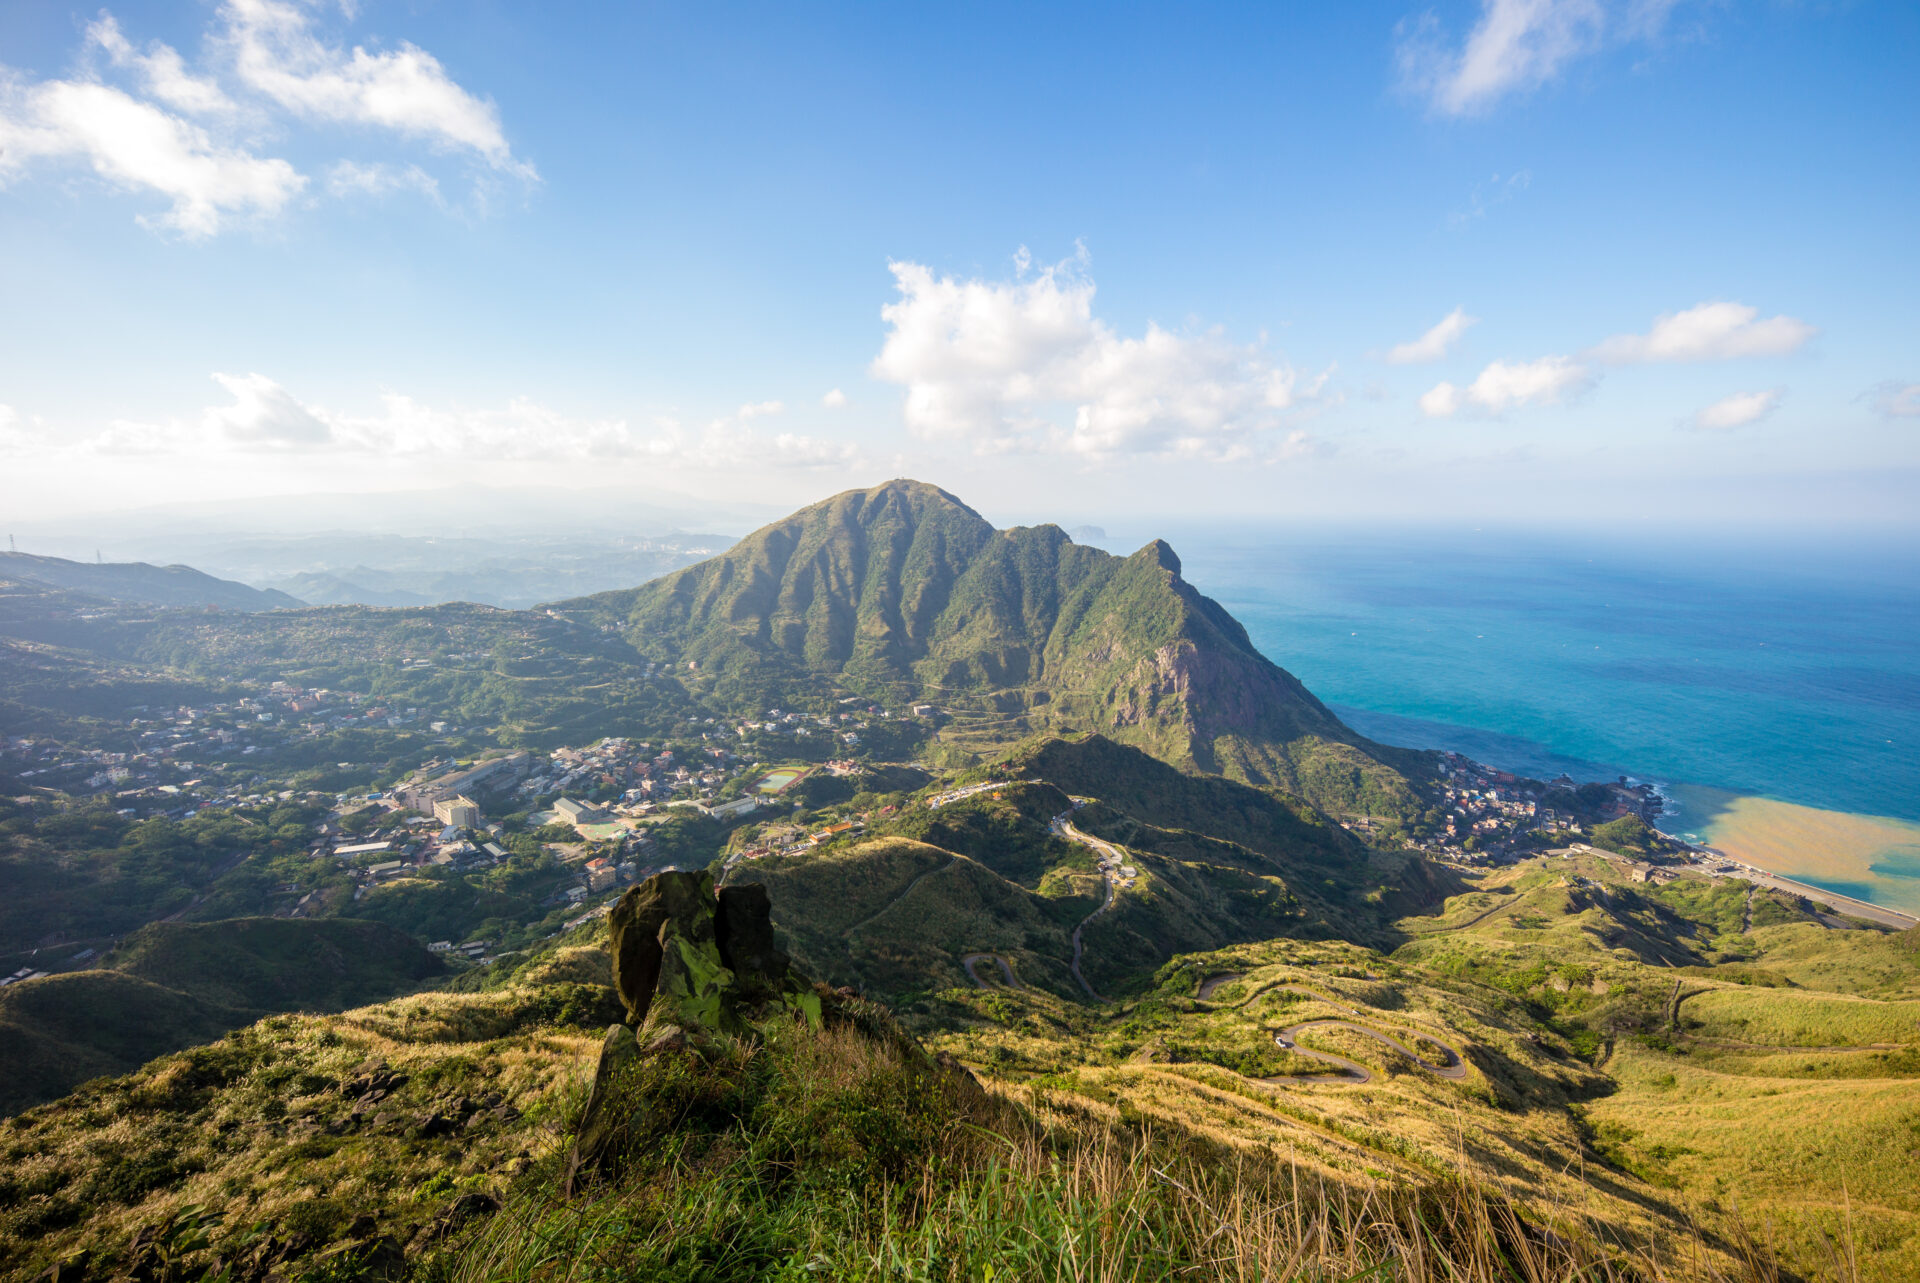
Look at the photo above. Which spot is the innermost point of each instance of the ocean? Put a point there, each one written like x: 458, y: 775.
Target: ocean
x: 1770, y: 686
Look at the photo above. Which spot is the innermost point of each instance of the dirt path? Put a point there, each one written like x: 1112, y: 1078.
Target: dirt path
x: 888, y: 907
x: 1454, y: 1067
x: 1006, y: 969
x: 1477, y: 918
x: 1674, y: 1000
x: 1746, y: 927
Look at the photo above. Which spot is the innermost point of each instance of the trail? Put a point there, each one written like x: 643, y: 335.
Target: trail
x: 1351, y: 1072
x: 1006, y: 969
x: 1475, y: 920
x: 889, y: 905
x: 1746, y: 927
x: 1064, y: 828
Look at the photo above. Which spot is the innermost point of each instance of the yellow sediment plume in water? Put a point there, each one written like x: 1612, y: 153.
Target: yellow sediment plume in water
x: 1829, y: 847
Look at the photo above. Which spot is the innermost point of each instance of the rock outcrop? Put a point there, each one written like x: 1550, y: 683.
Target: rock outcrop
x: 690, y: 965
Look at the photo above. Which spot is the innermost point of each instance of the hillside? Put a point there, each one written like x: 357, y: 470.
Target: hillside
x: 902, y: 592
x: 1214, y: 862
x: 137, y: 583
x: 173, y: 985
x: 1272, y: 1109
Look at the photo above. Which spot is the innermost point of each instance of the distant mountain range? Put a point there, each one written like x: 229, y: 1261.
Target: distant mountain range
x: 903, y: 592
x: 138, y: 583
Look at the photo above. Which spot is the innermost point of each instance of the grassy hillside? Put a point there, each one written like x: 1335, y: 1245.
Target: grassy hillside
x: 427, y: 1138
x: 173, y: 985
x: 903, y: 592
x: 897, y: 913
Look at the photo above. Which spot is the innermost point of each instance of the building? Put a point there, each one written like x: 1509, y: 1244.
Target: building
x: 569, y: 811
x: 457, y: 812
x: 494, y: 772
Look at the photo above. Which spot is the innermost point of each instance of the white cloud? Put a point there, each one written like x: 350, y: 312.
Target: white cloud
x: 1517, y: 45
x: 1897, y: 400
x: 1432, y: 345
x: 264, y: 415
x: 135, y: 146
x: 1739, y: 410
x: 1000, y: 363
x: 1503, y: 386
x: 349, y: 179
x: 1708, y: 332
x: 834, y: 400
x: 144, y: 121
x: 163, y: 70
x: 276, y: 53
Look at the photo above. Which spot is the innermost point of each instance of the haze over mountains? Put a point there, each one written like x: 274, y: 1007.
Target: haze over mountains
x: 141, y: 584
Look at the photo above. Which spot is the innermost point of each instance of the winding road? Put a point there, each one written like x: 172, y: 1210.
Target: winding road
x: 1112, y: 862
x: 1351, y: 1072
x: 1006, y: 969
x: 1064, y: 828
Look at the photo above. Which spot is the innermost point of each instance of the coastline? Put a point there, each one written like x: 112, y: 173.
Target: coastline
x: 1872, y: 860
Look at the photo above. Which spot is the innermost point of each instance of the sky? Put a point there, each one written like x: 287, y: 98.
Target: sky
x: 1548, y: 261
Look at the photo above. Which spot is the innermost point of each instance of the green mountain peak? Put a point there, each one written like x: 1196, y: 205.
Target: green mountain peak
x: 902, y: 592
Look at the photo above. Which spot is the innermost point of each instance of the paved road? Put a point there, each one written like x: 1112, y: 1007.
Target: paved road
x: 1006, y: 969
x: 1063, y: 827
x: 1455, y: 1066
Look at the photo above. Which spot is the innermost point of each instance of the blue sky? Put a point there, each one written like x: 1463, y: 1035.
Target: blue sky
x: 1520, y: 259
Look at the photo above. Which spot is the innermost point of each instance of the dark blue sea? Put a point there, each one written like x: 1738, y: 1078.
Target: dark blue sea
x: 1787, y: 668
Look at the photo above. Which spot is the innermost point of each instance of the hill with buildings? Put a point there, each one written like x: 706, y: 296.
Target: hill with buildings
x: 903, y: 593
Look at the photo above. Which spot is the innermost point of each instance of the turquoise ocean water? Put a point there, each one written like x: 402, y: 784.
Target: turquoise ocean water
x: 1786, y: 669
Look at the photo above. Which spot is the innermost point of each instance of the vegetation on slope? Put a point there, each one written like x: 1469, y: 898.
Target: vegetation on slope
x: 172, y: 985
x: 903, y: 592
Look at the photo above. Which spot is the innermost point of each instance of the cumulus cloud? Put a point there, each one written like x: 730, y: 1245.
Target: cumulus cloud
x: 1024, y: 364
x: 1738, y: 410
x: 162, y: 69
x: 1897, y: 400
x: 834, y: 399
x: 1432, y: 345
x: 1506, y: 386
x: 264, y: 414
x: 261, y: 414
x: 1708, y: 332
x: 144, y: 121
x: 135, y: 145
x: 276, y: 53
x: 1517, y: 45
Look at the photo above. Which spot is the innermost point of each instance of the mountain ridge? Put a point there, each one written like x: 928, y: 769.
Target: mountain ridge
x: 141, y: 583
x: 902, y: 591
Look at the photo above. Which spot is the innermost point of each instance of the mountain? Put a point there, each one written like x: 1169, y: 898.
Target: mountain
x: 903, y: 592
x: 172, y: 985
x: 138, y: 583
